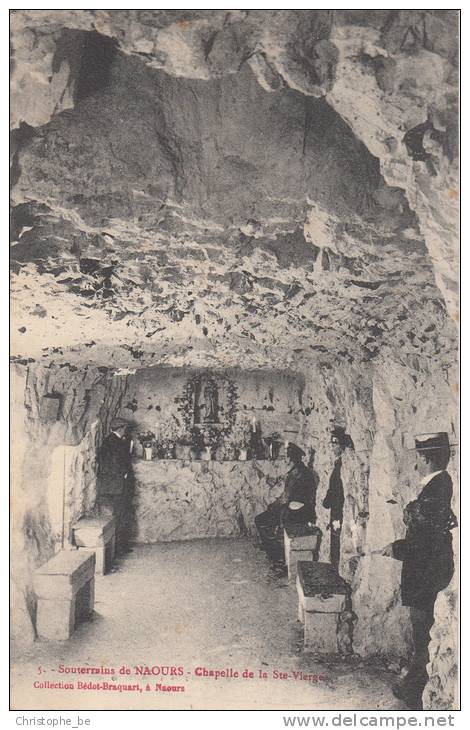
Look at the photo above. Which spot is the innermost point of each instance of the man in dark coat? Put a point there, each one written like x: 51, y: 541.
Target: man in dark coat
x: 427, y: 556
x: 295, y: 506
x: 334, y: 499
x: 115, y: 480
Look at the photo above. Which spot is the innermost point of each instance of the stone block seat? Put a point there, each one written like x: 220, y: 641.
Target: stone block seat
x: 301, y: 542
x: 97, y: 534
x: 323, y: 595
x: 65, y: 589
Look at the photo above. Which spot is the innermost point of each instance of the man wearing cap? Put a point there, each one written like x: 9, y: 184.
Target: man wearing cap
x: 334, y: 499
x: 295, y: 505
x: 114, y: 481
x: 427, y: 556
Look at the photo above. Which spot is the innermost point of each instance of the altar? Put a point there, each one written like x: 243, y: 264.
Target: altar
x: 209, y: 449
x: 182, y: 499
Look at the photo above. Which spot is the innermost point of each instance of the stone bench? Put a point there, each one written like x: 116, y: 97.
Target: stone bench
x: 65, y: 588
x: 97, y: 534
x: 323, y: 597
x: 301, y: 542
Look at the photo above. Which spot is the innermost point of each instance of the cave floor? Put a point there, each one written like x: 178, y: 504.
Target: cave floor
x: 212, y: 603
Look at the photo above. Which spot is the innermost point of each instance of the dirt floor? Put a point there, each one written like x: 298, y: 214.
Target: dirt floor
x: 213, y: 604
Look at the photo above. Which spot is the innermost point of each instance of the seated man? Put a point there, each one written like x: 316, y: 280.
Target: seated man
x: 295, y: 505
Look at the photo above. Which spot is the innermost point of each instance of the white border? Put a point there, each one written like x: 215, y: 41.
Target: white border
x: 230, y: 720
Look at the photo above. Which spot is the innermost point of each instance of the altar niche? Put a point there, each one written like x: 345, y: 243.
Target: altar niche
x: 209, y: 400
x: 209, y: 415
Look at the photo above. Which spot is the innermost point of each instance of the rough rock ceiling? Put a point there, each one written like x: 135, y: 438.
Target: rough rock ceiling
x: 186, y: 188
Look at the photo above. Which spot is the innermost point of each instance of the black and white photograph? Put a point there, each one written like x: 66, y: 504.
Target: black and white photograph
x: 234, y: 347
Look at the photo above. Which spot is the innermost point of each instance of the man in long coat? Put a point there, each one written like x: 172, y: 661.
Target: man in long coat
x: 334, y: 498
x: 295, y: 506
x: 114, y: 483
x: 427, y: 556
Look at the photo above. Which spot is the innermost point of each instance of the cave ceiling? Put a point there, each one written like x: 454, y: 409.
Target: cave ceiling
x: 233, y: 188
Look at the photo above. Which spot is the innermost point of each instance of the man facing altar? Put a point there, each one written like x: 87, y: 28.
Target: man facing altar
x: 115, y: 479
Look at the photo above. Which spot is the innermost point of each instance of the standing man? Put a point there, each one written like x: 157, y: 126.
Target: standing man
x: 295, y: 505
x: 334, y: 499
x: 427, y: 556
x: 114, y: 480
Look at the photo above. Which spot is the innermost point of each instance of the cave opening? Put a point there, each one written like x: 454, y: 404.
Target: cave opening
x: 98, y: 53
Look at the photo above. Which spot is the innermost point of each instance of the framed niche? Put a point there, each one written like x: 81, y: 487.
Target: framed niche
x: 209, y: 402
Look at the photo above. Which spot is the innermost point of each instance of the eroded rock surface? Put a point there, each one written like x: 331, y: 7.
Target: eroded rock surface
x: 53, y: 467
x: 174, y: 195
x: 397, y: 86
x: 183, y: 500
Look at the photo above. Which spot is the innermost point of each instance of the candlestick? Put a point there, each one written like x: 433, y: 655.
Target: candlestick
x: 253, y: 424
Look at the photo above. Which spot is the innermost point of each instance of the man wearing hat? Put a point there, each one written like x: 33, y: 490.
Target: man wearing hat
x: 427, y: 555
x: 295, y: 505
x: 334, y: 499
x: 114, y: 481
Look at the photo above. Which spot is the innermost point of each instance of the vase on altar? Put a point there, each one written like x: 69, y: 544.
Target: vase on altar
x: 242, y: 454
